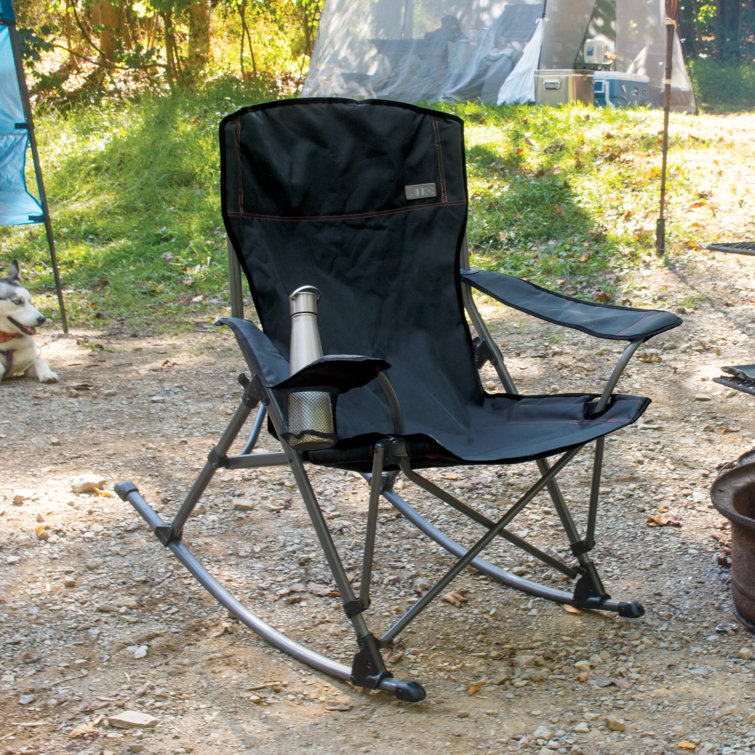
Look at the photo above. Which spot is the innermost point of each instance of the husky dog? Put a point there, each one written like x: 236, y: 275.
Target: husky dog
x: 18, y: 324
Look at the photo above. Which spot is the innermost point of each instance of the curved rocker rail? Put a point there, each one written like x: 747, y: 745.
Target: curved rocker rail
x: 632, y: 610
x: 410, y: 691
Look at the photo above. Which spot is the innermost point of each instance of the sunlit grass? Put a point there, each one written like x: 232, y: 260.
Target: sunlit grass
x: 567, y: 197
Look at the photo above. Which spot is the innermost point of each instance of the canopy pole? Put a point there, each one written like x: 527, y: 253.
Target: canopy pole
x: 672, y: 9
x: 10, y: 21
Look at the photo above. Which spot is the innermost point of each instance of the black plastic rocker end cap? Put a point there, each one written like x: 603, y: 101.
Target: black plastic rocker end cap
x: 123, y: 489
x: 631, y: 610
x: 410, y: 692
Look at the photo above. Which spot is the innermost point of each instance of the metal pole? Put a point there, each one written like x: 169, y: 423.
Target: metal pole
x: 672, y: 8
x: 11, y: 24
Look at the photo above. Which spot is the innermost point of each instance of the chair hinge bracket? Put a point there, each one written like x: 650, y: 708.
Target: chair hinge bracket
x: 368, y: 668
x: 253, y: 391
x: 216, y: 459
x: 355, y: 607
x: 589, y: 591
x: 166, y: 534
x: 482, y: 352
x: 582, y: 546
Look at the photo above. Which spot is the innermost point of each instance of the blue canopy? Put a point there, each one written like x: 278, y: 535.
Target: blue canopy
x: 17, y: 205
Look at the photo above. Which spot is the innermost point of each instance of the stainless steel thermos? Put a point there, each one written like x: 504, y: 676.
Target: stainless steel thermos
x: 310, y: 414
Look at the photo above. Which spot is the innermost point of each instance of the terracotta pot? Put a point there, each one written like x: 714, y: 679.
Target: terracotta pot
x: 733, y: 494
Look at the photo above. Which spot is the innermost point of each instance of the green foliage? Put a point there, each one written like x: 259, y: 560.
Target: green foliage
x: 133, y: 190
x: 723, y: 86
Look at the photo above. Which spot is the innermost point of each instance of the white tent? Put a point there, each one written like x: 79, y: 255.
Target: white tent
x: 430, y: 50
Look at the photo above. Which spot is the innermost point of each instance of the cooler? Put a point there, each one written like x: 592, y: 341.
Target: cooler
x: 621, y: 89
x: 558, y: 87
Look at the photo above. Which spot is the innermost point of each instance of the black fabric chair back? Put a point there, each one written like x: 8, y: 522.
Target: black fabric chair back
x: 366, y: 201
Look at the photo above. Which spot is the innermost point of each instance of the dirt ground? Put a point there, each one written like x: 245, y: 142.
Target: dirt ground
x: 98, y: 622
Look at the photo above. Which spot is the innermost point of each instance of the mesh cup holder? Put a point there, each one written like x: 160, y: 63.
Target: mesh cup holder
x: 310, y: 421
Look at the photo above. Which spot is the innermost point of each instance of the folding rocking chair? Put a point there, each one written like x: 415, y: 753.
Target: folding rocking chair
x: 367, y: 203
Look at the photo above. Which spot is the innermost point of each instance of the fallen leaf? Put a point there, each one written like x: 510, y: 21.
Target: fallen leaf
x: 474, y: 687
x: 571, y: 609
x: 456, y: 597
x: 663, y: 520
x: 685, y: 745
x: 104, y: 493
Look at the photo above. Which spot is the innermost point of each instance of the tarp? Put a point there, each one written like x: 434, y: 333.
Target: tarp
x: 432, y: 50
x: 17, y: 205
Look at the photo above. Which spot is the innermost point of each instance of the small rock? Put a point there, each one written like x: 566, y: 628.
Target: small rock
x: 12, y: 560
x: 23, y: 495
x: 616, y: 724
x: 243, y: 506
x: 542, y: 732
x: 746, y: 653
x: 141, y: 651
x: 26, y: 699
x: 43, y: 532
x: 524, y: 661
x: 132, y: 719
x: 583, y: 666
x: 581, y: 727
x: 69, y: 582
x: 86, y: 483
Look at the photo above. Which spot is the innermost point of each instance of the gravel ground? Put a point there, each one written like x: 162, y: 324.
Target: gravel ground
x: 109, y: 646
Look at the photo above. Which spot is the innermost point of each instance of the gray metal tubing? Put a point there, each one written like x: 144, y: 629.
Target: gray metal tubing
x: 242, y: 613
x: 256, y: 429
x: 253, y: 461
x: 234, y: 281
x: 326, y: 541
x: 477, y: 548
x: 597, y: 469
x: 208, y: 470
x: 494, y: 572
x: 476, y: 516
x: 268, y: 633
x: 617, y: 372
x: 482, y: 331
x: 376, y: 486
x: 392, y: 399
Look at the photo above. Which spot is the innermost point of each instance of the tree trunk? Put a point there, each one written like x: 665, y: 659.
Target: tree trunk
x: 728, y: 28
x: 108, y: 17
x: 199, y: 37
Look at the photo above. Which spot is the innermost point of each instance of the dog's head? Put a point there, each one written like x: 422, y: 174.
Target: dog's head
x: 16, y: 312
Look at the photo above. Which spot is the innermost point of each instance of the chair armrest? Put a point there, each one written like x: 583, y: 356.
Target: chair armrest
x: 600, y: 320
x: 260, y: 353
x: 334, y: 373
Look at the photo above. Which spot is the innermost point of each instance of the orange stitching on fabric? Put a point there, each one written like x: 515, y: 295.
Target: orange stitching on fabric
x: 634, y: 325
x: 352, y: 216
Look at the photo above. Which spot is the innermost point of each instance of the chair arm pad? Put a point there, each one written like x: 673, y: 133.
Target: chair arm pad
x: 261, y: 354
x: 334, y: 373
x: 600, y: 320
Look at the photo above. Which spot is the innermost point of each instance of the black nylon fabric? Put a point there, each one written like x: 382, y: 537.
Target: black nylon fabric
x: 314, y: 193
x: 600, y: 320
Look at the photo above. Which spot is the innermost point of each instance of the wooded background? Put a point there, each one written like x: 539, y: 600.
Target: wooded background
x: 78, y: 46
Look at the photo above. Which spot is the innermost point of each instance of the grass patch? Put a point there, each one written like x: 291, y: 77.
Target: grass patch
x: 567, y: 197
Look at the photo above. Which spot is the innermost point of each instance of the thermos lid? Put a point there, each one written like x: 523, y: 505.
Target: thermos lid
x: 304, y: 300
